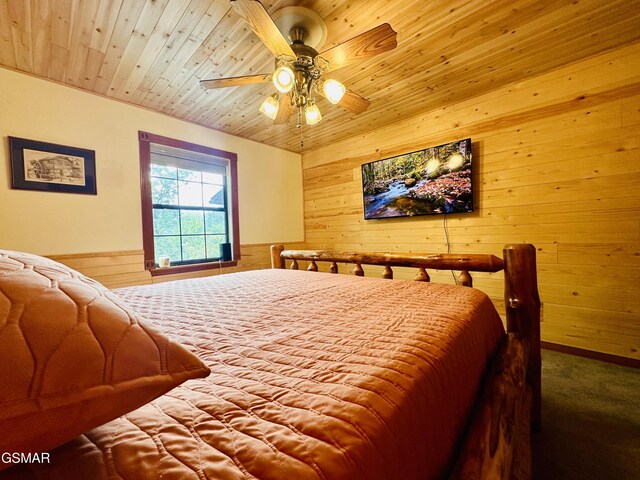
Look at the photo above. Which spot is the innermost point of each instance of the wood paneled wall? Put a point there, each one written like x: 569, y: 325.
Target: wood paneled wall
x: 125, y: 268
x: 556, y: 164
x: 112, y: 269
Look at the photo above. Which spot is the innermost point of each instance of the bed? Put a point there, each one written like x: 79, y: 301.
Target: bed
x: 322, y: 376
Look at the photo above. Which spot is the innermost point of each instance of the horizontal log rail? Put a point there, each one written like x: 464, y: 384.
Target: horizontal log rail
x: 439, y: 261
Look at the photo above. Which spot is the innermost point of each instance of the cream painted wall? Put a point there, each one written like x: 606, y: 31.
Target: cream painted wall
x: 270, y: 179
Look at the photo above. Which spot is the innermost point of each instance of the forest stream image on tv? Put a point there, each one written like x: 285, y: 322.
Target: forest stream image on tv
x: 432, y: 181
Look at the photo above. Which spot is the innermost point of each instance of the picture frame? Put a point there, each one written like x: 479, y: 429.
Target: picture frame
x: 51, y: 167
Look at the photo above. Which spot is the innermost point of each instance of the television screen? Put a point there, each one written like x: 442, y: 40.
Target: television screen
x: 425, y: 182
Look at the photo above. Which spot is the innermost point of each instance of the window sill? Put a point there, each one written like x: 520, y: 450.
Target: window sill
x: 191, y: 268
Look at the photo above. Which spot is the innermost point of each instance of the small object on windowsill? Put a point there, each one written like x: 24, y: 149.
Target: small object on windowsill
x: 164, y: 262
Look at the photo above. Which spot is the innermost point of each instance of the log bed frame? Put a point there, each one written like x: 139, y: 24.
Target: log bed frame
x: 497, y: 443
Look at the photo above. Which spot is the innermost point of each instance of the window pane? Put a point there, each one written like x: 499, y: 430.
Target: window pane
x: 193, y: 247
x: 213, y: 195
x: 192, y: 222
x: 163, y: 171
x: 213, y: 245
x: 215, y: 178
x: 167, y: 247
x: 190, y: 194
x: 216, y: 222
x: 164, y: 191
x: 192, y: 175
x: 166, y: 222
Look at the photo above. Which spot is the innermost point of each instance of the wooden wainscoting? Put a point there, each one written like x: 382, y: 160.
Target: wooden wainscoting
x: 112, y: 269
x: 125, y: 268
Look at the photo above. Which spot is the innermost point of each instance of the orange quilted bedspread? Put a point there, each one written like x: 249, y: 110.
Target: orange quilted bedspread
x: 314, y: 376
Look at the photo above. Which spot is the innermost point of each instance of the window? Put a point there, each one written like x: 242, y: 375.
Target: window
x: 189, y: 205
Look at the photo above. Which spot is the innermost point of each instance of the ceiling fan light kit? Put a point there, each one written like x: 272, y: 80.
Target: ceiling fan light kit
x: 298, y: 76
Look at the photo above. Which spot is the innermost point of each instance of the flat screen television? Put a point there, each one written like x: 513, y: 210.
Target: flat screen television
x: 435, y: 180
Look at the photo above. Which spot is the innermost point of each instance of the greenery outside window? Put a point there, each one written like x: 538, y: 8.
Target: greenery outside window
x: 189, y: 203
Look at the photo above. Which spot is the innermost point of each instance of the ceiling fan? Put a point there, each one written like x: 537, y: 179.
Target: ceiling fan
x: 299, y: 69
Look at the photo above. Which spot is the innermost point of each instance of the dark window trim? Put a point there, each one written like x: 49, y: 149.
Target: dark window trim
x: 145, y: 139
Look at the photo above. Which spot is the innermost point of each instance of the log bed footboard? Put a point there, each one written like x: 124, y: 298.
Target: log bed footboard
x: 498, y: 439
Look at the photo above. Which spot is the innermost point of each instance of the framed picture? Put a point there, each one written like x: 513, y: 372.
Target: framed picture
x: 51, y: 168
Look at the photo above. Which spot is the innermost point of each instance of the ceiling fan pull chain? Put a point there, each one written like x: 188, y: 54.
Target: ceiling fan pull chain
x: 300, y: 127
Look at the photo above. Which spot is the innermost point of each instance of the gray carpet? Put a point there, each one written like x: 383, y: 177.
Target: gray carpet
x: 590, y: 420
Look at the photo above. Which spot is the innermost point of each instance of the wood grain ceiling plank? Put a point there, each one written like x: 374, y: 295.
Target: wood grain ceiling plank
x: 105, y: 24
x: 104, y: 27
x: 128, y: 15
x: 438, y: 62
x: 426, y: 48
x: 41, y: 21
x: 83, y: 25
x: 63, y: 14
x: 19, y: 13
x: 156, y: 44
x: 197, y: 10
x: 529, y: 37
x: 514, y: 62
x: 146, y: 27
x: 7, y: 51
x: 237, y: 39
x: 163, y: 87
x: 195, y: 70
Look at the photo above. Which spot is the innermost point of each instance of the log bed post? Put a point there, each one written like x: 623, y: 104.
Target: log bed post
x: 277, y: 261
x: 522, y: 304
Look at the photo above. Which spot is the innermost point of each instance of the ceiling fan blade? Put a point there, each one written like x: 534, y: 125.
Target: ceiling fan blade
x: 284, y: 110
x: 236, y: 81
x: 366, y: 45
x: 353, y: 102
x: 263, y: 26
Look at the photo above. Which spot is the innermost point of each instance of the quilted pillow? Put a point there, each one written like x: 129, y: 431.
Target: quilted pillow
x: 73, y: 355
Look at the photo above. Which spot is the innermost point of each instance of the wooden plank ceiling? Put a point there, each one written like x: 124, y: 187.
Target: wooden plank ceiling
x: 154, y: 52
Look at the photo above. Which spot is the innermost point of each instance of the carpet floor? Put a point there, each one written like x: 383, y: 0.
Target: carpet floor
x: 590, y: 420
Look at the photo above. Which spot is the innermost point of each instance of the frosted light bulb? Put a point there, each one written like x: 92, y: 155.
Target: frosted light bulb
x: 333, y: 90
x: 283, y: 79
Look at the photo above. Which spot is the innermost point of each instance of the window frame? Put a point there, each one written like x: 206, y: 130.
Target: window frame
x: 145, y: 139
